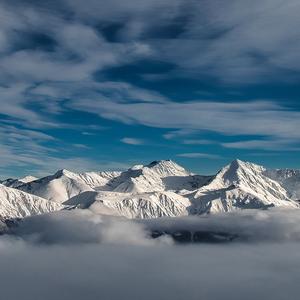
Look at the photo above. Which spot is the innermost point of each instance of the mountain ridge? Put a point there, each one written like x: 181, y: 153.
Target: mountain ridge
x: 164, y: 188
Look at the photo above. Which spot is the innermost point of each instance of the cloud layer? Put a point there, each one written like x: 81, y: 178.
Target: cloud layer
x: 75, y: 255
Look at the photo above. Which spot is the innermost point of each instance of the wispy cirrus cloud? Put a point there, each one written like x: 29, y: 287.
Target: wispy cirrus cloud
x: 269, y: 144
x: 132, y: 141
x: 130, y: 105
x: 55, y: 57
x: 197, y: 142
x: 24, y: 150
x: 231, y: 118
x: 199, y: 155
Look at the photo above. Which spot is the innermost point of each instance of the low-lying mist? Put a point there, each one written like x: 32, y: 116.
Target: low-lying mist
x: 78, y: 255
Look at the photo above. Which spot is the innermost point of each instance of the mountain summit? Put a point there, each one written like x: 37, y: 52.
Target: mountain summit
x: 241, y: 185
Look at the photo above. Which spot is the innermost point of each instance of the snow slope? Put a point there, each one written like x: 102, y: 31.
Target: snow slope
x: 289, y: 179
x: 139, y: 205
x: 97, y: 180
x: 18, y: 204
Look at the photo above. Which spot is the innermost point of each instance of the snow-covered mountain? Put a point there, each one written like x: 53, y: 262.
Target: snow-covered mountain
x: 17, y: 204
x: 240, y: 185
x: 141, y: 192
x: 58, y: 187
x: 65, y: 184
x: 157, y: 176
x: 163, y: 188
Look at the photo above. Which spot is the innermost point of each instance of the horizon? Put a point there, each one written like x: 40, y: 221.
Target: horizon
x: 144, y: 165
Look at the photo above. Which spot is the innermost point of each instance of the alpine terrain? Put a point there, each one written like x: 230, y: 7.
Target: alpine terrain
x: 161, y: 188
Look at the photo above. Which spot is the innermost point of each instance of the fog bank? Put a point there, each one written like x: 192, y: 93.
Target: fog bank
x: 77, y: 255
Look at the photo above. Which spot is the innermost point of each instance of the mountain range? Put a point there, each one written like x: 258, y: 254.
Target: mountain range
x: 161, y: 188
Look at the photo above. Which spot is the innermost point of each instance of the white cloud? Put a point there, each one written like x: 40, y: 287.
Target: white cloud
x: 29, y: 151
x: 84, y: 227
x: 103, y: 253
x: 179, y: 133
x: 230, y: 118
x: 271, y: 145
x: 78, y: 51
x: 199, y: 155
x: 132, y: 141
x: 233, y: 41
x: 197, y: 142
x: 81, y: 146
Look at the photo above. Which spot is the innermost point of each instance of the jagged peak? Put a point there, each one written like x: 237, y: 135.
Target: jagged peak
x: 136, y: 167
x: 158, y: 162
x: 64, y: 172
x: 167, y: 168
x: 238, y: 164
x: 28, y: 178
x: 163, y: 163
x: 236, y: 172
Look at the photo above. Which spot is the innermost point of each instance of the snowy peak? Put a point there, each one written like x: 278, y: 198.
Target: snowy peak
x: 136, y: 167
x: 65, y: 184
x: 65, y: 172
x: 58, y: 187
x: 247, y: 179
x: 28, y: 178
x: 166, y: 168
x: 237, y: 172
x: 149, y: 178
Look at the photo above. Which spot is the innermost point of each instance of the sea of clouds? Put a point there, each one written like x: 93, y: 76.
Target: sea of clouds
x: 78, y: 255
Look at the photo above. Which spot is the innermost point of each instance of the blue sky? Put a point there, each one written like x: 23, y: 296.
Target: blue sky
x: 95, y: 85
